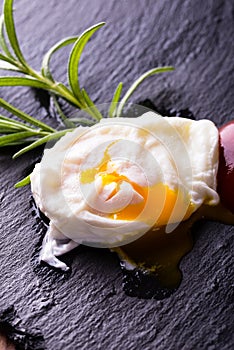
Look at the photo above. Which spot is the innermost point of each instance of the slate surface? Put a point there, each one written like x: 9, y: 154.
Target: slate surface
x: 87, y: 309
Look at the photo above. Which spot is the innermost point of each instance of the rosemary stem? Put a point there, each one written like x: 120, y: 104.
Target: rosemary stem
x: 59, y: 90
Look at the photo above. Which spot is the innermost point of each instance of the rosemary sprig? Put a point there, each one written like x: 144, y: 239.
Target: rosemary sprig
x: 30, y: 130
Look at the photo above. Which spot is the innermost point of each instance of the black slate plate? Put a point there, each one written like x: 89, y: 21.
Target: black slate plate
x: 87, y: 309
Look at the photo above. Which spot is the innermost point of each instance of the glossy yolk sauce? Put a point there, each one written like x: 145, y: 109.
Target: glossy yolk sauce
x: 159, y: 253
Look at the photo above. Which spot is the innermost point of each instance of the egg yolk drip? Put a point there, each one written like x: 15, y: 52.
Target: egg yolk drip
x: 132, y: 211
x: 159, y: 201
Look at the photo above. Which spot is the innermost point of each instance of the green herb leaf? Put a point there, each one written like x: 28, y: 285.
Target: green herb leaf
x: 8, y: 126
x: 115, y: 100
x: 21, y: 142
x: 74, y: 59
x: 42, y: 141
x: 138, y: 82
x: 24, y: 116
x: 10, y: 28
x: 6, y: 59
x: 23, y: 81
x: 3, y: 43
x: 23, y: 182
x: 6, y: 139
x: 19, y: 125
x: 6, y: 130
x: 45, y: 69
x: 5, y: 65
x: 92, y: 109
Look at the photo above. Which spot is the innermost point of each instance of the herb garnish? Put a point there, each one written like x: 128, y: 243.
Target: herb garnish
x: 32, y: 131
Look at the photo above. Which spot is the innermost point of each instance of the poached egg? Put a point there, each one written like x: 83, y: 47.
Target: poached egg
x: 107, y: 185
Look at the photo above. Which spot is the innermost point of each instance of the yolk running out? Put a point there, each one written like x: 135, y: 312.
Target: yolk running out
x: 132, y: 211
x: 159, y: 201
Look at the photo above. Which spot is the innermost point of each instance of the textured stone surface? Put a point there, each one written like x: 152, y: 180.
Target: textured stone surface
x: 87, y: 309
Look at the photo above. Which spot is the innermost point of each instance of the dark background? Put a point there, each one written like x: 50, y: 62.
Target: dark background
x: 87, y: 309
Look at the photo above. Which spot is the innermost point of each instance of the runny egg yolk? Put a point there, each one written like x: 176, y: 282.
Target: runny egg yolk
x: 158, y: 202
x: 163, y: 199
x: 132, y: 211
